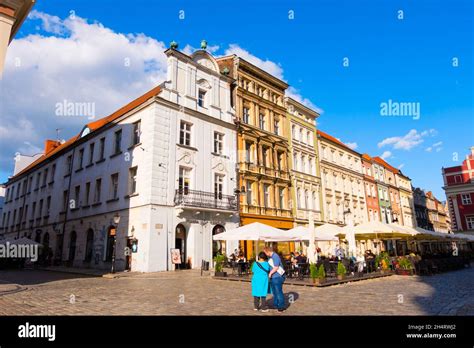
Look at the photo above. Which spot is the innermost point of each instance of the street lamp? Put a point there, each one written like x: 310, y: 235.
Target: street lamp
x: 116, y: 222
x: 348, y: 211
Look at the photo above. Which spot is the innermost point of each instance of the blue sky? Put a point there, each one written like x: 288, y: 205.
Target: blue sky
x: 403, y: 60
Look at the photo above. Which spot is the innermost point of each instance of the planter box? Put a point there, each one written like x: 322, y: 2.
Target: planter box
x: 341, y: 277
x: 406, y: 272
x: 318, y: 281
x: 220, y: 274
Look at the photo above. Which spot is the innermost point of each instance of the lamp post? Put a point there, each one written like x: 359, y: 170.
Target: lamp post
x: 348, y: 211
x: 116, y: 221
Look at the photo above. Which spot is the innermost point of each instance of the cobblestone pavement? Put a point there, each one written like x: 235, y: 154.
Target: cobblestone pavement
x: 187, y: 293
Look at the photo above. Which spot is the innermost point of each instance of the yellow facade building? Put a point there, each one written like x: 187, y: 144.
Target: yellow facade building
x: 263, y: 146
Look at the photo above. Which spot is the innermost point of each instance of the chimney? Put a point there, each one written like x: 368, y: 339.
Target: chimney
x: 50, y: 145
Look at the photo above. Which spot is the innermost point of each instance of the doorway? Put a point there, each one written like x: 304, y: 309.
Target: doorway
x: 180, y: 243
x: 72, y: 247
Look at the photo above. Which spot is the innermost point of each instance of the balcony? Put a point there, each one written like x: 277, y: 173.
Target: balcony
x: 208, y: 200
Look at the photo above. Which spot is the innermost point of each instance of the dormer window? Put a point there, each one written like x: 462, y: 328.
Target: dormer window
x: 201, y: 98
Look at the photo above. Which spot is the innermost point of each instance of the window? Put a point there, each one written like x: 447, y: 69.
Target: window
x: 298, y: 198
x: 87, y: 193
x: 293, y: 131
x: 470, y: 222
x: 48, y: 205
x: 98, y: 189
x: 218, y: 142
x: 118, y: 142
x: 91, y: 153
x: 249, y: 192
x: 65, y: 194
x: 132, y: 181
x: 101, y: 148
x: 248, y: 150
x: 185, y: 133
x: 281, y: 195
x: 306, y: 199
x: 30, y: 186
x: 315, y: 201
x: 68, y: 164
x: 218, y: 186
x: 45, y: 177
x: 53, y: 173
x: 280, y: 160
x: 276, y: 127
x: 261, y: 121
x: 266, y: 195
x: 77, y: 196
x: 184, y: 180
x: 309, y: 138
x: 81, y: 159
x: 114, y: 186
x: 265, y: 156
x: 466, y: 199
x: 301, y: 135
x: 457, y: 179
x: 38, y: 178
x: 33, y: 211
x: 201, y: 98
x: 136, y: 133
x: 246, y: 115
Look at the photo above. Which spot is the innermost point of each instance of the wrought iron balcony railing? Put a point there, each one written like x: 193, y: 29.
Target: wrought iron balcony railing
x: 201, y: 199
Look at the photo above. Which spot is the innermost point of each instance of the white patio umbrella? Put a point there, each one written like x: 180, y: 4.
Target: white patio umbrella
x: 253, y: 231
x: 301, y: 233
x: 438, y: 235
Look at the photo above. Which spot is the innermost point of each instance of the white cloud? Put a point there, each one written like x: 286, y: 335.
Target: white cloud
x: 439, y: 143
x: 429, y: 149
x: 352, y: 146
x: 435, y: 146
x: 75, y: 60
x: 401, y: 166
x: 386, y: 155
x: 432, y: 132
x: 407, y: 141
x: 438, y: 149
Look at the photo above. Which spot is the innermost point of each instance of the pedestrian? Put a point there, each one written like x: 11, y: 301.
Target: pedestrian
x: 260, y: 282
x: 277, y: 278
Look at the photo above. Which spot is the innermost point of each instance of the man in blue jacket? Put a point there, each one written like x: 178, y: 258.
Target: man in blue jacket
x: 276, y: 279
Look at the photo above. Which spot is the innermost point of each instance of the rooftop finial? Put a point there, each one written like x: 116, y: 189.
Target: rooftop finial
x: 174, y: 45
x: 203, y: 44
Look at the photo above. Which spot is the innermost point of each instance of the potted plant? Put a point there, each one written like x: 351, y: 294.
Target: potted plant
x: 404, y: 267
x: 341, y: 271
x: 313, y: 272
x: 321, y: 274
x: 382, y: 262
x: 219, y: 260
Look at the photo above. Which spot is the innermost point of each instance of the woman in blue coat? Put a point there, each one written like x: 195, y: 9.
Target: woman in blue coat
x: 260, y: 282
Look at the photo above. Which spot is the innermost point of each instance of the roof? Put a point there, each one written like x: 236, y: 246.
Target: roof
x: 386, y: 165
x: 334, y: 140
x: 366, y: 157
x: 94, y: 126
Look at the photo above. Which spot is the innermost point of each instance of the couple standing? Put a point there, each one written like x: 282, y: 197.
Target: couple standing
x: 268, y: 277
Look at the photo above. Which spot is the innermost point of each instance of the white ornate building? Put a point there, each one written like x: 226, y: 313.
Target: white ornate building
x: 344, y: 198
x: 164, y: 163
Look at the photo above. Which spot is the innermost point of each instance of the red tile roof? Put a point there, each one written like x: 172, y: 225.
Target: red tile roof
x: 95, y: 125
x: 334, y: 140
x: 386, y: 165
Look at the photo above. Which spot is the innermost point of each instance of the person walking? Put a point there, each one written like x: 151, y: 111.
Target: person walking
x: 277, y: 278
x: 260, y: 282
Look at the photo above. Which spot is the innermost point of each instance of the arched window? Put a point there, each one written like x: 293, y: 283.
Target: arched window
x: 46, y: 240
x: 89, y: 245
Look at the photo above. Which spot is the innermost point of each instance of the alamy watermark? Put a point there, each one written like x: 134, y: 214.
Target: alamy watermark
x: 393, y: 108
x: 21, y: 251
x: 70, y: 108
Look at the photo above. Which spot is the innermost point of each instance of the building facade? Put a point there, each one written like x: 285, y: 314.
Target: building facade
x: 421, y: 209
x: 163, y: 164
x: 394, y: 214
x: 383, y: 192
x: 371, y: 191
x: 305, y: 171
x: 344, y: 199
x: 406, y: 199
x: 459, y: 189
x: 263, y: 146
